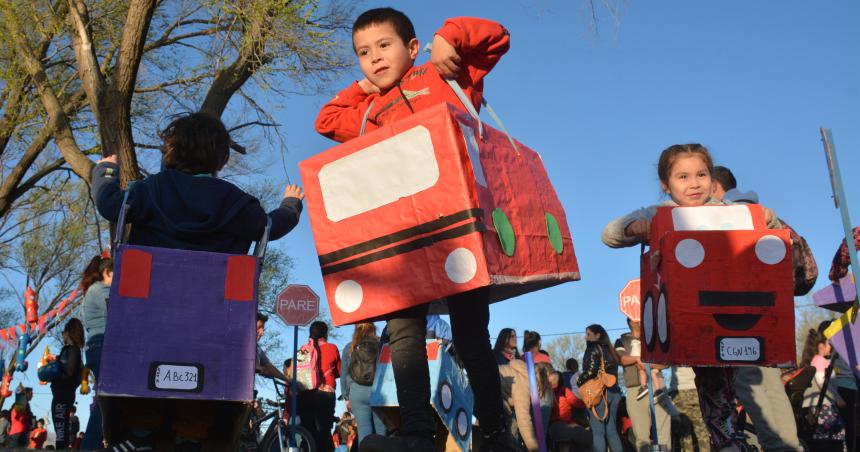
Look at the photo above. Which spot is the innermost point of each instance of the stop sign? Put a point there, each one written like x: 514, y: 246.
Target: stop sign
x: 297, y: 305
x: 629, y: 300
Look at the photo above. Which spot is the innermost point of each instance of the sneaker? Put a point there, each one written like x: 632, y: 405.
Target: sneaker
x: 128, y: 446
x: 643, y: 391
x: 658, y: 394
x: 380, y: 443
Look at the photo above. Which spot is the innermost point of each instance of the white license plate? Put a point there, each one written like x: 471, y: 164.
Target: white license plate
x: 744, y: 349
x: 176, y: 377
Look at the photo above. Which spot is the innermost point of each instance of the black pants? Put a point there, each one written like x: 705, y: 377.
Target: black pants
x: 316, y: 410
x: 60, y: 406
x: 470, y: 318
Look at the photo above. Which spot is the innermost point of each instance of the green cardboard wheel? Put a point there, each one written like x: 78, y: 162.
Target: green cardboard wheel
x: 554, y: 234
x: 505, y: 231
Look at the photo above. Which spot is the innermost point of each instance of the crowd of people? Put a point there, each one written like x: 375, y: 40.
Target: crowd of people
x: 600, y: 401
x: 817, y: 397
x: 19, y: 426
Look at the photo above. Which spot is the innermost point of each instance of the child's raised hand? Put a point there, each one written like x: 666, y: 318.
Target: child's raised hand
x: 367, y: 86
x: 108, y: 159
x: 294, y: 191
x: 445, y: 58
x: 639, y: 228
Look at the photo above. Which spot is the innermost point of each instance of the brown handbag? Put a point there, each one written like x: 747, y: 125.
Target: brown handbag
x: 594, y: 390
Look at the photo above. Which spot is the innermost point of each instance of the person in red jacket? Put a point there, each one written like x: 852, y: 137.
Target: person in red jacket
x: 316, y: 406
x: 565, y: 431
x: 38, y: 435
x: 465, y: 50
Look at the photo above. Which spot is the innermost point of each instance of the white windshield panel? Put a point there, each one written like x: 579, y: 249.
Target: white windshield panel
x: 395, y: 168
x: 712, y: 218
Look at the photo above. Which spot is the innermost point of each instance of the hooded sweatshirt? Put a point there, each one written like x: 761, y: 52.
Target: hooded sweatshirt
x: 173, y: 209
x: 480, y: 43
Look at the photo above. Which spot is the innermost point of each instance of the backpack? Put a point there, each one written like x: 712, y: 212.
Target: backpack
x: 802, y: 261
x: 362, y: 361
x: 308, y: 375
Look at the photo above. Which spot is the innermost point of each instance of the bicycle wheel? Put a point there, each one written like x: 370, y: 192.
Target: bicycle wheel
x: 304, y: 441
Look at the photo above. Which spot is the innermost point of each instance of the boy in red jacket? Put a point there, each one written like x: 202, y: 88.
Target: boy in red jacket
x: 464, y: 49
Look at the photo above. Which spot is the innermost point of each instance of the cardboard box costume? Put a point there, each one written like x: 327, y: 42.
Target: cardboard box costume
x: 180, y: 325
x: 450, y: 394
x: 844, y: 334
x: 722, y: 294
x: 425, y: 208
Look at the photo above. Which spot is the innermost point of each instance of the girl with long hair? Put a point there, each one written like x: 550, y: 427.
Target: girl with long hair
x: 505, y: 349
x: 63, y: 388
x: 531, y: 343
x: 817, y: 353
x: 599, y: 351
x: 359, y: 360
x: 96, y: 281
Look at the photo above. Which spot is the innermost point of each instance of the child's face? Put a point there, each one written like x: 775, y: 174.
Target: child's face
x: 689, y: 181
x: 382, y: 55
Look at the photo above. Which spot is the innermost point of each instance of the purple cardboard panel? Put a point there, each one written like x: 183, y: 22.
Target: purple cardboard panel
x: 185, y: 340
x: 845, y: 339
x: 836, y: 297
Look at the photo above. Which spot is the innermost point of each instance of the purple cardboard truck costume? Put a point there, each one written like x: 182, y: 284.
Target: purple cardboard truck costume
x: 844, y: 334
x: 181, y: 325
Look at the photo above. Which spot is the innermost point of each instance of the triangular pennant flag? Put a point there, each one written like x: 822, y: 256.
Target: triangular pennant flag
x: 23, y: 328
x: 42, y: 321
x: 4, y: 335
x: 105, y: 253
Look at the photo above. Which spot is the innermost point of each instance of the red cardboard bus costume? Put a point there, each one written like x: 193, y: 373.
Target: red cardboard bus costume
x: 722, y: 293
x: 426, y: 207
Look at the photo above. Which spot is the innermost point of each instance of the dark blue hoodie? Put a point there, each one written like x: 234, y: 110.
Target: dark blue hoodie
x: 173, y: 209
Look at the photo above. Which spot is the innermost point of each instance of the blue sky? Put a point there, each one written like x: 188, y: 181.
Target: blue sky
x: 753, y: 81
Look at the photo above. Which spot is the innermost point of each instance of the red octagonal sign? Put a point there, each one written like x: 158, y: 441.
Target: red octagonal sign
x: 629, y: 300
x: 297, y: 305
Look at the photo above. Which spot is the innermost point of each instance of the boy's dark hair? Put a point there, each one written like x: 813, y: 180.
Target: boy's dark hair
x: 725, y: 177
x: 288, y: 362
x: 401, y: 23
x: 262, y: 317
x: 572, y: 365
x: 195, y: 143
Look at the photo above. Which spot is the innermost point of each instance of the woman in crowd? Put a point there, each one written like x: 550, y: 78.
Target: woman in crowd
x: 505, y: 349
x: 356, y: 382
x: 63, y: 388
x: 600, y: 353
x: 816, y: 353
x: 531, y: 343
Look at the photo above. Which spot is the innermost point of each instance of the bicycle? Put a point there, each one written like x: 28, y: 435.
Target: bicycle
x: 281, y: 436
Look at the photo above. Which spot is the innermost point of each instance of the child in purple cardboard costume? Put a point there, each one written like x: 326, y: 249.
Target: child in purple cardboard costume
x: 185, y: 206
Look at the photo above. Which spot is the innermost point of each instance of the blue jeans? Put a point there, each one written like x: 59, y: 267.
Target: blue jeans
x: 366, y: 420
x: 606, y: 430
x: 93, y: 354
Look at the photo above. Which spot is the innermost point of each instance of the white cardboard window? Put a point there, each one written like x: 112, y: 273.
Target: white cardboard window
x: 395, y: 168
x: 712, y: 218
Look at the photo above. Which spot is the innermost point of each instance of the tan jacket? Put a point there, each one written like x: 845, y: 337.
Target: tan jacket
x: 515, y: 393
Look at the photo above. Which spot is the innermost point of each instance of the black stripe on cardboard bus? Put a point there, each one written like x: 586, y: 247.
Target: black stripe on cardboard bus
x: 423, y: 242
x: 398, y: 236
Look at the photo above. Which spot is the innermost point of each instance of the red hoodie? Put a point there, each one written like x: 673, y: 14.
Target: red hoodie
x: 480, y: 44
x: 562, y: 410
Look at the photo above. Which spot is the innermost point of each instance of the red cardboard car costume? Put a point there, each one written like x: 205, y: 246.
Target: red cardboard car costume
x: 425, y: 208
x: 722, y: 293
